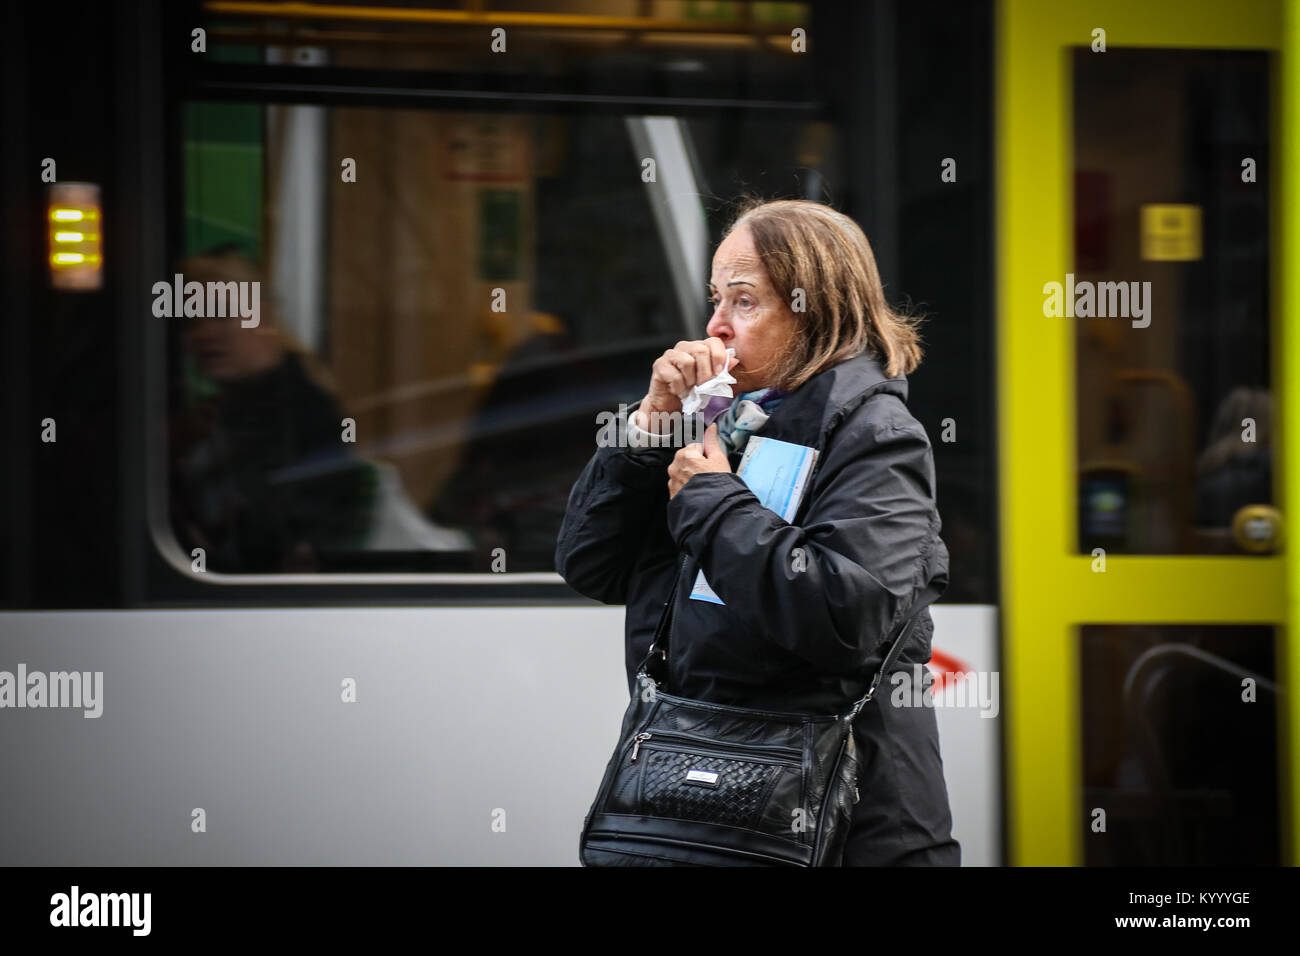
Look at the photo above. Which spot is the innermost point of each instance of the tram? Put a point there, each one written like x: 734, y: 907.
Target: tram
x: 302, y: 523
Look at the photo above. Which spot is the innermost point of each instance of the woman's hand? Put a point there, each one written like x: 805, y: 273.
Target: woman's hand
x: 679, y: 369
x: 697, y: 459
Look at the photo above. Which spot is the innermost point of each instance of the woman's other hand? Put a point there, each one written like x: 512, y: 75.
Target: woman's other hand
x: 697, y: 459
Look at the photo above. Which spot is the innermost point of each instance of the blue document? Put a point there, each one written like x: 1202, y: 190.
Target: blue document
x: 777, y: 473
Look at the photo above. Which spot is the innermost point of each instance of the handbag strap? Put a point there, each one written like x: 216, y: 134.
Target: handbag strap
x: 927, y: 596
x: 923, y: 600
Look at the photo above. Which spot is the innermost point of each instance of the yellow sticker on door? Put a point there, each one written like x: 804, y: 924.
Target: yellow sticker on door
x: 1171, y: 233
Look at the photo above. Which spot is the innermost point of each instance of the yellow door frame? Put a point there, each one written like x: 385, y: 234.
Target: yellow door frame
x: 1048, y: 589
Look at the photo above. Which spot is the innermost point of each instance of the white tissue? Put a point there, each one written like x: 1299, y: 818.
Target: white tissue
x: 720, y: 384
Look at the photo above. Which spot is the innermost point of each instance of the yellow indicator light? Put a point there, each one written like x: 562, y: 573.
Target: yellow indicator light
x: 80, y: 270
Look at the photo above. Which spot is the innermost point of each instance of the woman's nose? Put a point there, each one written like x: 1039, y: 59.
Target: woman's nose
x: 717, y: 326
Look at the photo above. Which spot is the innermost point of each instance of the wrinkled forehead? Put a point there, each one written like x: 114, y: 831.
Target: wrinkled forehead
x: 737, y: 260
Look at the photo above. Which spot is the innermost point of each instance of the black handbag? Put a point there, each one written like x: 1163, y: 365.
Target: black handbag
x: 696, y: 783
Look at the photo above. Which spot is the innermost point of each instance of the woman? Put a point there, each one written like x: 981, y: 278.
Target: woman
x: 262, y: 480
x: 806, y: 607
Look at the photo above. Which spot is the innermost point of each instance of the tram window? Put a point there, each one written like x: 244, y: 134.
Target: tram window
x: 1170, y: 298
x: 441, y: 323
x: 1179, y: 745
x: 380, y: 287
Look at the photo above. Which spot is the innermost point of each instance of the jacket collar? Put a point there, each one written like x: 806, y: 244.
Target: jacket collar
x: 826, y: 399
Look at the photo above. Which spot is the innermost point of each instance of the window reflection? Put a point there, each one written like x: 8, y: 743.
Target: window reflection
x: 479, y: 277
x: 1174, y: 436
x: 1179, y: 745
x: 483, y: 287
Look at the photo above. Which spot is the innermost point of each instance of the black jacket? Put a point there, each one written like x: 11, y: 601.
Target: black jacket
x: 803, y: 640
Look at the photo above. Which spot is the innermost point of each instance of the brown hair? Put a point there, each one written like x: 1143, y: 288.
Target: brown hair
x: 807, y: 246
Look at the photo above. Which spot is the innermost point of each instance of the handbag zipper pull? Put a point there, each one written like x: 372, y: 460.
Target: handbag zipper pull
x: 636, y: 746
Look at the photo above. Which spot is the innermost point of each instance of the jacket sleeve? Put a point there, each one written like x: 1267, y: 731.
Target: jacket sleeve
x: 615, y: 516
x: 830, y: 590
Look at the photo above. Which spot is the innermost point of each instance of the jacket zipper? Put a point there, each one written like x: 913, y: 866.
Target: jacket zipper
x: 705, y: 745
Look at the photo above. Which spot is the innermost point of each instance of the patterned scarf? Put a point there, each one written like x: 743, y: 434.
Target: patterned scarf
x: 738, y: 418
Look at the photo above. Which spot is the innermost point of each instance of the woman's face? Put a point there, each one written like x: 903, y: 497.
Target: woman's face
x: 223, y: 348
x: 748, y: 314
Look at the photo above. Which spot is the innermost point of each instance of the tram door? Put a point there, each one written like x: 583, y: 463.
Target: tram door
x: 1143, y: 390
